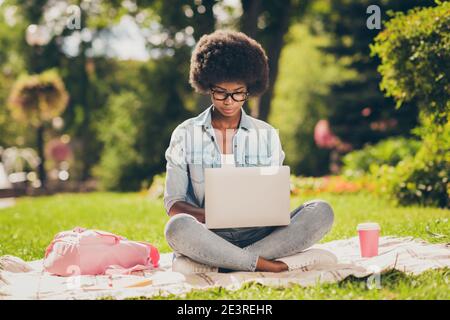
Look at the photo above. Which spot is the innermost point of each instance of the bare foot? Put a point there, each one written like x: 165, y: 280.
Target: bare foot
x: 270, y: 266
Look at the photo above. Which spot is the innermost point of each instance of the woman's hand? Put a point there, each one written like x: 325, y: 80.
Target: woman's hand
x: 201, y: 217
x: 185, y: 207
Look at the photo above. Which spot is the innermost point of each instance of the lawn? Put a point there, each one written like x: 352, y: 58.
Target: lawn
x: 28, y: 227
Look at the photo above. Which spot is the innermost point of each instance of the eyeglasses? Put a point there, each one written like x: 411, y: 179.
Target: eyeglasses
x: 221, y: 95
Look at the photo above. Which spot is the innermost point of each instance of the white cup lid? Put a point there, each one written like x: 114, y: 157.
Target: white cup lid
x: 368, y: 226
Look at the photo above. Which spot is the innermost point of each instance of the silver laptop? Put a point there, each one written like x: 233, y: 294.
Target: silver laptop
x: 237, y: 197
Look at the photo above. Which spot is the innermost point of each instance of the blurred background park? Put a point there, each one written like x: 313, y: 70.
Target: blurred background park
x: 91, y: 90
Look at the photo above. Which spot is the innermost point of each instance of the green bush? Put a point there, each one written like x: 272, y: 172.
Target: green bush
x: 387, y: 152
x: 414, y: 50
x: 119, y: 161
x: 423, y: 179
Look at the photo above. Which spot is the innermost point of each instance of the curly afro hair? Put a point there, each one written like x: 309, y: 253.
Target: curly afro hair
x: 229, y: 56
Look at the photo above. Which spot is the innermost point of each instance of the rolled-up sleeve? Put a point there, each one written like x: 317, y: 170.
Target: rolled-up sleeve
x: 176, y: 184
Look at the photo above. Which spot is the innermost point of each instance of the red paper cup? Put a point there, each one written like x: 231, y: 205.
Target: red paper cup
x: 369, y: 234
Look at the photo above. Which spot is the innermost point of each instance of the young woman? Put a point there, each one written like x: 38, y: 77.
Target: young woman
x: 229, y: 66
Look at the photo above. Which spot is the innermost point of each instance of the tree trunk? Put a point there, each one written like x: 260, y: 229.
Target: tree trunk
x: 274, y: 47
x: 249, y: 20
x: 85, y: 130
x: 204, y: 23
x: 41, y: 154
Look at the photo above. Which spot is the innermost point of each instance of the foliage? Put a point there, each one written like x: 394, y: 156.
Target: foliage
x: 387, y: 152
x: 298, y: 185
x: 304, y: 78
x: 38, y: 98
x: 118, y: 131
x: 11, y: 65
x: 415, y: 59
x: 358, y: 111
x: 415, y: 54
x: 330, y: 184
x: 156, y: 190
x: 423, y: 179
x: 161, y: 87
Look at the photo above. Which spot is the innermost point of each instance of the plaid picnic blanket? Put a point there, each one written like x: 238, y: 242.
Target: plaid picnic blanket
x: 27, y: 280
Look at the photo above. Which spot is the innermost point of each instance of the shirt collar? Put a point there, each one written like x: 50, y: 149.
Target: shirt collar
x: 204, y: 119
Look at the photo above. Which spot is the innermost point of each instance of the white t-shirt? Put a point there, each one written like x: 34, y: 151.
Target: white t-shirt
x: 227, y: 160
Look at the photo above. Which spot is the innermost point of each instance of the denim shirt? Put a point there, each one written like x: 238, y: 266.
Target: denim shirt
x: 193, y: 147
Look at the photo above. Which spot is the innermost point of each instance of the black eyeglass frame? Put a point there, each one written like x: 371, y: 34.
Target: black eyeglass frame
x: 228, y: 94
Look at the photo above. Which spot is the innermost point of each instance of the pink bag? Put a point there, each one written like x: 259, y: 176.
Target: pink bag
x: 95, y: 252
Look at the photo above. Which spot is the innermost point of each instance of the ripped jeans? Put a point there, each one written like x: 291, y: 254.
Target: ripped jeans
x: 239, y: 249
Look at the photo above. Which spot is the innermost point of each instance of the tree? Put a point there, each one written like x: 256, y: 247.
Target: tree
x: 36, y: 99
x: 415, y: 60
x: 415, y: 53
x: 359, y: 112
x: 268, y: 22
x: 305, y: 76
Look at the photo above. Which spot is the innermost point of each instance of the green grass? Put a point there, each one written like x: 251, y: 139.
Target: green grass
x: 28, y: 227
